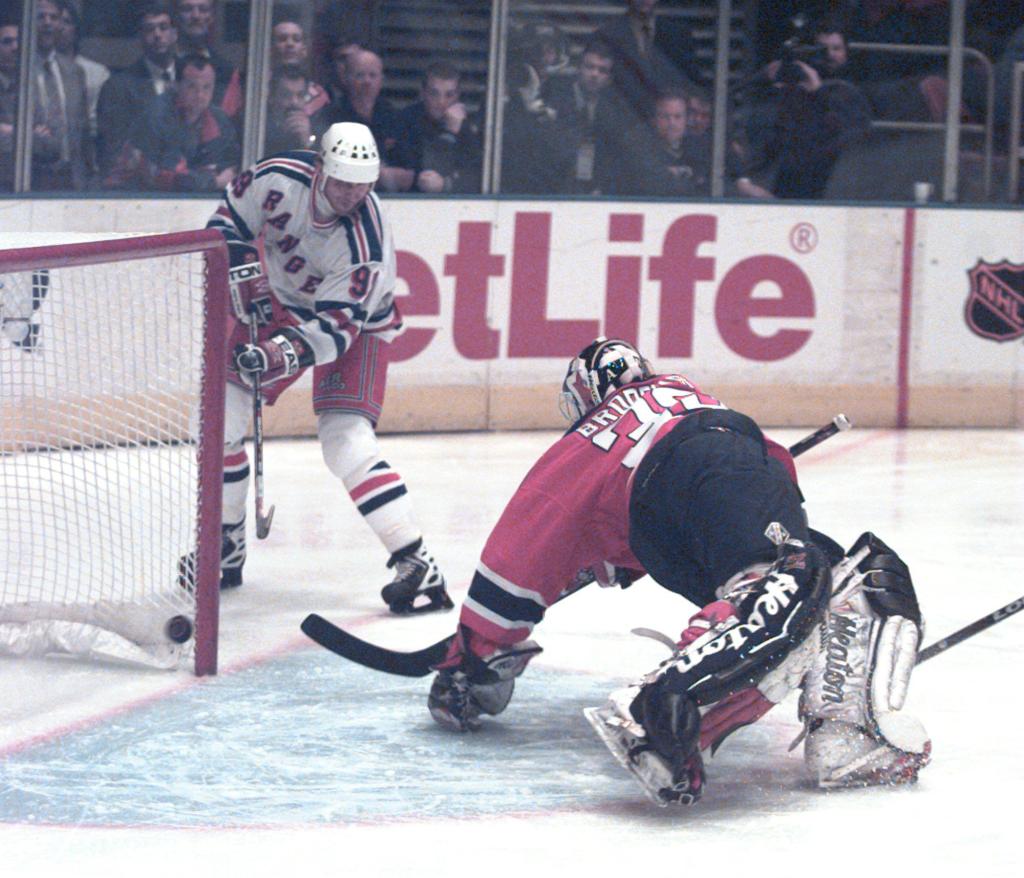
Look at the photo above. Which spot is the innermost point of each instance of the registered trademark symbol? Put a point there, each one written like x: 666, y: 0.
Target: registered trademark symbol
x: 803, y: 237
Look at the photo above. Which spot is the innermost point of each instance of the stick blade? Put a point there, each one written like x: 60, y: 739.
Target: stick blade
x: 403, y: 664
x: 263, y: 523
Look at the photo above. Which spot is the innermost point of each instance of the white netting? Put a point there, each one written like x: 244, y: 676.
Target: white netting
x: 100, y: 378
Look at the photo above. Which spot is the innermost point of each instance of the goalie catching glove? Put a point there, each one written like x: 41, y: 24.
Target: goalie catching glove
x: 855, y: 689
x: 280, y: 356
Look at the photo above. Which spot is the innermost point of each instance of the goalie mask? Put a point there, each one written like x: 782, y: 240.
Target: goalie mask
x: 602, y: 367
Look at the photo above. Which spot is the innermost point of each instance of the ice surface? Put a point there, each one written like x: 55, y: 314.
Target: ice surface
x: 293, y: 761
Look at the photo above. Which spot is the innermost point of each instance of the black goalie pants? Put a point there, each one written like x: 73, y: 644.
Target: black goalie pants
x: 702, y: 499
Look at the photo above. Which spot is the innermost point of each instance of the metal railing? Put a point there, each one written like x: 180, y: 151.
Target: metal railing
x: 985, y: 128
x: 1014, y: 151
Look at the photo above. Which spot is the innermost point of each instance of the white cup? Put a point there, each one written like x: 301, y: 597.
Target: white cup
x: 922, y: 192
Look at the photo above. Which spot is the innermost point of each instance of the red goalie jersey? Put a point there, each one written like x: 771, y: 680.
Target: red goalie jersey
x: 572, y: 509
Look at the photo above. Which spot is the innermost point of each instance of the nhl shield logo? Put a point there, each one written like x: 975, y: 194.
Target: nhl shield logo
x: 995, y: 306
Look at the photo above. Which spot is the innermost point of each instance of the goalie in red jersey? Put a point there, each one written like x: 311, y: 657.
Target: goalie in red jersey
x: 656, y: 477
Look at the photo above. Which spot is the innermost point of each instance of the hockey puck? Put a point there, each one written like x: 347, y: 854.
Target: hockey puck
x: 178, y: 628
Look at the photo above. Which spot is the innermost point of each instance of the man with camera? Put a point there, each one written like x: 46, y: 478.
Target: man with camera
x: 803, y: 113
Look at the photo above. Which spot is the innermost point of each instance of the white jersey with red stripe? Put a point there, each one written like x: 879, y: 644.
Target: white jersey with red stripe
x: 336, y: 278
x: 572, y: 509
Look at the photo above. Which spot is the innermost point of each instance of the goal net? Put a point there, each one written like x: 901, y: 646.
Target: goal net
x: 111, y: 447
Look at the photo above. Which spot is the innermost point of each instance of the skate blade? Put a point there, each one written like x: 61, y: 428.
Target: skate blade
x: 611, y: 741
x: 437, y: 601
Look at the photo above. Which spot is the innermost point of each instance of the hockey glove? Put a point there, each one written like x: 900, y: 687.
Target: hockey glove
x: 468, y: 685
x: 250, y: 293
x: 281, y: 356
x: 854, y: 692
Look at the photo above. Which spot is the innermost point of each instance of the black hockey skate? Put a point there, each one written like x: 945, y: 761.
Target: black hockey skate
x: 232, y: 554
x: 232, y: 559
x: 416, y: 576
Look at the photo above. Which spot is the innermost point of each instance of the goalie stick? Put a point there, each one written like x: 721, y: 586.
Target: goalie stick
x: 837, y: 425
x: 970, y: 630
x: 421, y: 662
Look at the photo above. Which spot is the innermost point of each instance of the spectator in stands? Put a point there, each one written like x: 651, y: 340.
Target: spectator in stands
x: 652, y: 53
x: 698, y: 113
x: 62, y: 150
x: 552, y: 52
x: 347, y: 25
x: 596, y: 117
x: 8, y: 100
x: 289, y: 125
x: 288, y: 47
x: 183, y: 142
x: 125, y: 96
x: 340, y: 55
x: 668, y: 159
x: 663, y: 162
x: 196, y: 36
x: 442, y: 137
x: 537, y: 148
x: 96, y: 74
x: 362, y: 102
x: 803, y: 118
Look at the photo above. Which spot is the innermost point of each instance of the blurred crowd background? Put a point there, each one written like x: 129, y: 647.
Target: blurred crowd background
x: 875, y: 100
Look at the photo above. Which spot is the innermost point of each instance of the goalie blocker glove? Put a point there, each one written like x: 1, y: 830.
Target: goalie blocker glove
x: 853, y: 695
x: 280, y: 356
x: 654, y: 729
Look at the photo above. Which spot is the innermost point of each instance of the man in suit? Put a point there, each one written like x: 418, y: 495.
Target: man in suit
x: 596, y: 116
x: 61, y: 150
x: 651, y: 53
x: 125, y: 96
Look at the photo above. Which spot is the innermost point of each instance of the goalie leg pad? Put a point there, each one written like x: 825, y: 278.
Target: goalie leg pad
x: 773, y: 615
x: 853, y: 693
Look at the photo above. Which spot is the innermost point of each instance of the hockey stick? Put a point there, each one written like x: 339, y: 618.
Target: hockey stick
x: 970, y: 630
x: 839, y: 423
x: 421, y: 662
x: 263, y: 521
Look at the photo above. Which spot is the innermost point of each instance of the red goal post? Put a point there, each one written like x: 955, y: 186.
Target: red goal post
x: 112, y: 371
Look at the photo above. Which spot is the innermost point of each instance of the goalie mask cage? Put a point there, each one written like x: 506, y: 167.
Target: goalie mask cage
x: 112, y: 370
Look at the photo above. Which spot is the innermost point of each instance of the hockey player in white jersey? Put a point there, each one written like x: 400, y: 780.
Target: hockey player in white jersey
x: 313, y: 263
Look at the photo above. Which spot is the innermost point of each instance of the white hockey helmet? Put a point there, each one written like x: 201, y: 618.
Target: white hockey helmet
x: 603, y: 366
x: 349, y: 152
